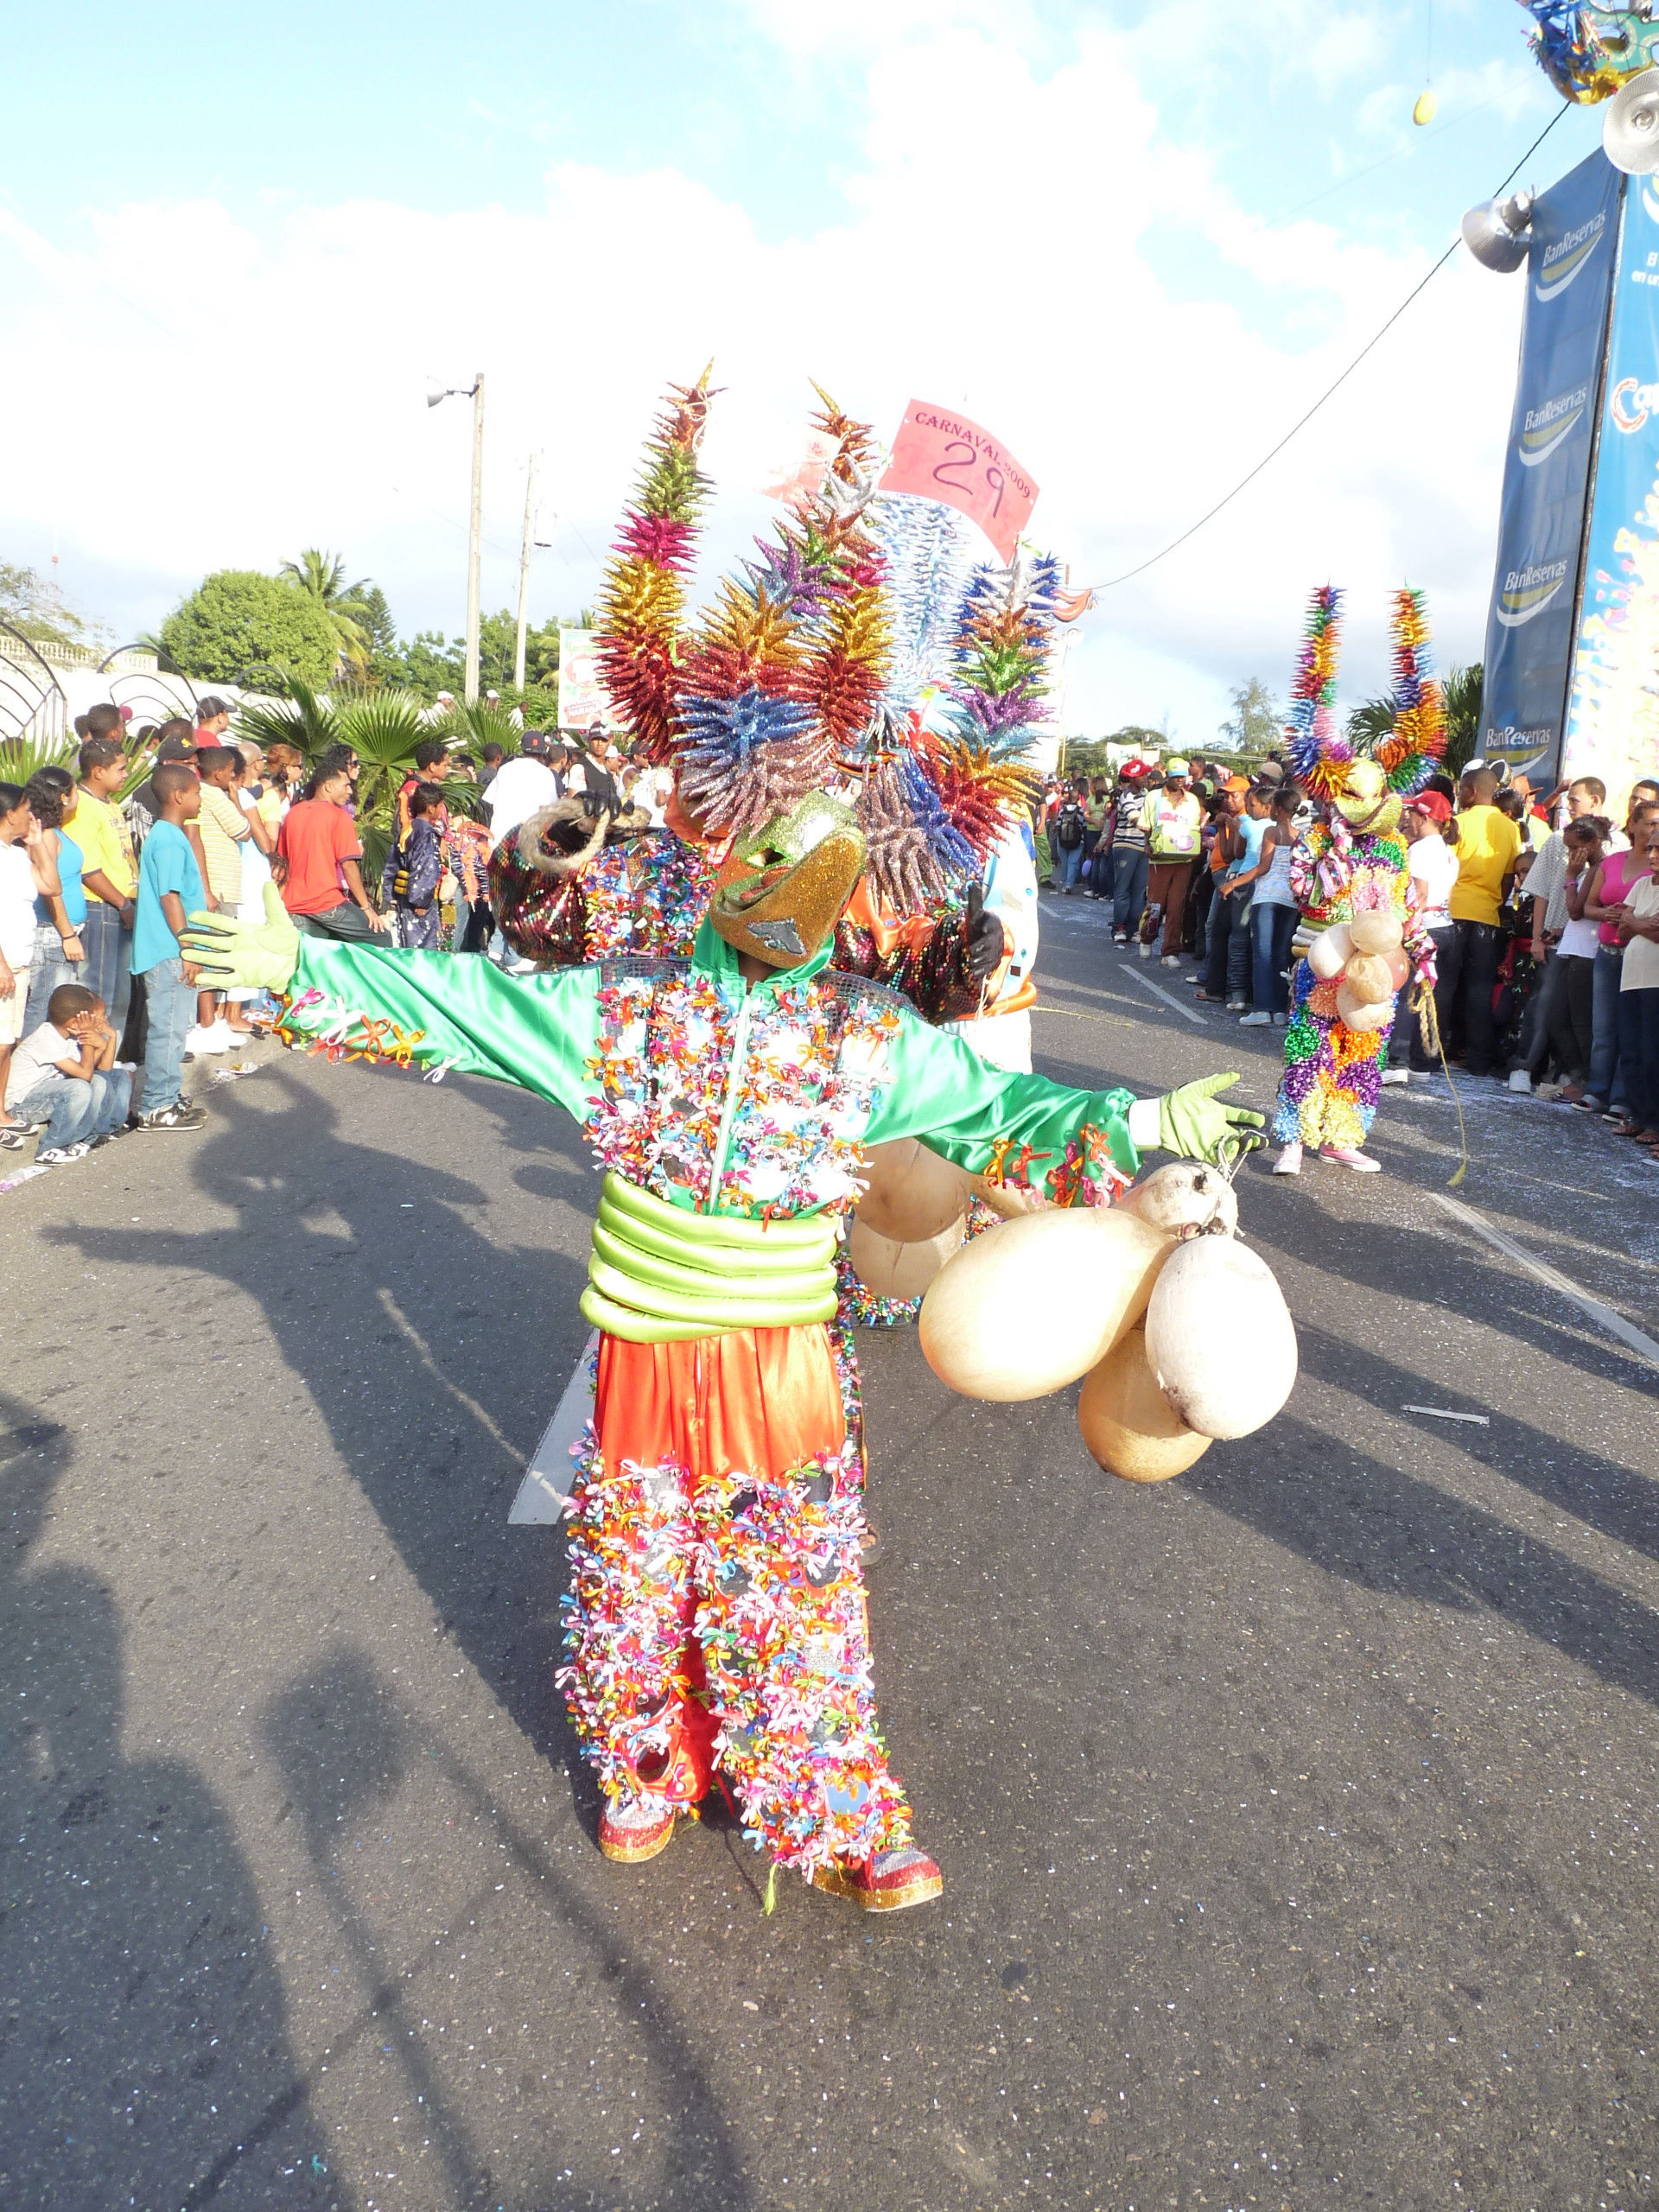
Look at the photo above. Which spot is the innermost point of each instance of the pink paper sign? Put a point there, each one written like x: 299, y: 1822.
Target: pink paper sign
x: 939, y: 454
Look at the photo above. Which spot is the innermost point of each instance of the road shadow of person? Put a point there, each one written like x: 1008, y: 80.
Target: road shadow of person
x: 347, y: 1752
x: 433, y: 1353
x: 144, y: 2056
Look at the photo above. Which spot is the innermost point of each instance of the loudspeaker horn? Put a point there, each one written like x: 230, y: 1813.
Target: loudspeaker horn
x: 1630, y: 129
x: 1499, y: 232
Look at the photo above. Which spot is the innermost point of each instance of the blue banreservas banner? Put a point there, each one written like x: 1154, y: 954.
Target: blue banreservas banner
x: 1613, y: 729
x: 1546, y: 468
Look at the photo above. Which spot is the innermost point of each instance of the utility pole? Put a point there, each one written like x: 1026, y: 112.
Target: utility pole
x: 524, y: 578
x: 475, y: 546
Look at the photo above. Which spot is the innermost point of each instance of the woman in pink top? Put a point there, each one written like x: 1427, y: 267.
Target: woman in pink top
x: 1600, y: 901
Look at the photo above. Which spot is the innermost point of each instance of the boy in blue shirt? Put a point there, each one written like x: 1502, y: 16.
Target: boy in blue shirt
x: 169, y: 888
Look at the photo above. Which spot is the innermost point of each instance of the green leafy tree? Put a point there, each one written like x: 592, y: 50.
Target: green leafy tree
x: 425, y: 664
x: 32, y: 603
x: 239, y: 627
x: 497, y: 638
x: 321, y: 576
x: 1463, y: 690
x: 380, y: 633
x: 1254, y: 726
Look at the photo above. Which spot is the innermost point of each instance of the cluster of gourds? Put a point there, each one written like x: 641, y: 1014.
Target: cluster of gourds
x: 1179, y: 1332
x: 1367, y: 961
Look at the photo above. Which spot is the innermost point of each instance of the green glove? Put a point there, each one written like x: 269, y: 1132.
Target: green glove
x: 1191, y: 1122
x: 244, y: 955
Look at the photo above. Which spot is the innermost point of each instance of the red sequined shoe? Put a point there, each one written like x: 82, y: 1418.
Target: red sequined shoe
x: 887, y: 1881
x: 636, y: 1827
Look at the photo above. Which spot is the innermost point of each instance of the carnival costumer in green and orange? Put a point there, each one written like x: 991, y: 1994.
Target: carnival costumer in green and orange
x: 717, y: 1619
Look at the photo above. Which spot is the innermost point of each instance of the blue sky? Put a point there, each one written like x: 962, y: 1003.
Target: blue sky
x: 1134, y: 257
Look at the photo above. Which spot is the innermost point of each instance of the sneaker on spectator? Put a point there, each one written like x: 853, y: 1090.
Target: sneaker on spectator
x: 60, y: 1155
x: 1282, y: 1022
x: 1521, y: 1081
x: 1238, y: 1005
x: 179, y: 1115
x: 1395, y: 1075
x: 1171, y: 960
x: 1589, y: 1103
x: 218, y: 1036
x: 1256, y: 1021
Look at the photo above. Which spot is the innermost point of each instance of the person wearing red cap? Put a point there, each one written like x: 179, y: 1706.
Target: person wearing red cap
x: 1431, y: 864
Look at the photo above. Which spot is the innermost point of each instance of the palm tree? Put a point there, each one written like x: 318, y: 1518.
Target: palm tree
x: 322, y: 575
x: 1372, y: 722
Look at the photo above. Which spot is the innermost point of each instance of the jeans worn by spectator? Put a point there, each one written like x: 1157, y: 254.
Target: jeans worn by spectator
x: 1406, y: 1037
x: 1128, y: 887
x: 1535, y: 1022
x: 108, y: 968
x: 348, y: 923
x: 1572, y: 1014
x: 1068, y: 867
x: 1606, y: 1086
x: 1462, y: 997
x: 50, y: 967
x: 171, y: 1006
x: 1630, y: 1082
x: 1229, y: 973
x: 1272, y: 929
x: 1102, y: 874
x: 75, y: 1110
x: 1200, y: 904
x: 1638, y: 1014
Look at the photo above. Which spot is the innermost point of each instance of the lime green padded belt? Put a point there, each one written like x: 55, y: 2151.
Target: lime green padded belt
x: 657, y: 1274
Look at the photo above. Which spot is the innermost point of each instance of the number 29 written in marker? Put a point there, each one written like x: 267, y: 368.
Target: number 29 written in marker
x: 950, y: 471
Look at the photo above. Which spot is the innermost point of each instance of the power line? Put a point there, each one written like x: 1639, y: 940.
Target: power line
x: 1153, y: 560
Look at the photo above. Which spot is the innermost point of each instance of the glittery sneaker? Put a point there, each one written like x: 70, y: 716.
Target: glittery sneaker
x: 636, y: 1828
x: 887, y: 1881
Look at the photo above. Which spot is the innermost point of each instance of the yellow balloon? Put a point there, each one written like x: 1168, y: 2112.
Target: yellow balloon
x: 1424, y: 110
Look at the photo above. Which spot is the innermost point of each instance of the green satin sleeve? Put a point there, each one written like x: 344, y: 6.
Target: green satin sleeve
x: 960, y: 1105
x: 440, y: 1011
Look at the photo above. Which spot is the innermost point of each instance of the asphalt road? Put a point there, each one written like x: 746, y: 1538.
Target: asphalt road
x: 1295, y: 1815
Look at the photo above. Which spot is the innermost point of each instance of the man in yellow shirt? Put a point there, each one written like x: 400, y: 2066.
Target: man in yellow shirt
x: 1489, y: 844
x: 108, y: 870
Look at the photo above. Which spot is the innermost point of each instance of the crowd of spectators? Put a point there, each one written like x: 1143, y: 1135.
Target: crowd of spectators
x: 100, y: 1015
x: 1543, y: 912
x: 1546, y: 938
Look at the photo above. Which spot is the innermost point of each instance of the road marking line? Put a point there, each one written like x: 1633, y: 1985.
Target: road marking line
x: 438, y: 1376
x: 1444, y: 1413
x: 1076, y: 1013
x: 1603, y: 1316
x: 1158, y: 992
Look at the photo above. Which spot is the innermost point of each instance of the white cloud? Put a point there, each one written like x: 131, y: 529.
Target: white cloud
x: 265, y: 389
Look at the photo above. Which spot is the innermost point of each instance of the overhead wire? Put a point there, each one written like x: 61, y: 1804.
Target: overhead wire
x: 1302, y: 422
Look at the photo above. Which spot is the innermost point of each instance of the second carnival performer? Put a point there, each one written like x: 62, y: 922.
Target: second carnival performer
x: 716, y: 1624
x: 1350, y: 877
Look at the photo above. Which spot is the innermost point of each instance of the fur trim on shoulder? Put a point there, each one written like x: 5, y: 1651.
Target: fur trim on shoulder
x: 535, y: 848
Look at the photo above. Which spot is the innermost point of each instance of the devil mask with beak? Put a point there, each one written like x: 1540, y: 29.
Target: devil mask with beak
x: 781, y: 889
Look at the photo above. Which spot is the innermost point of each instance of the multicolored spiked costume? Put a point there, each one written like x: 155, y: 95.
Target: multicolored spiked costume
x: 1353, y: 862
x: 717, y: 1617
